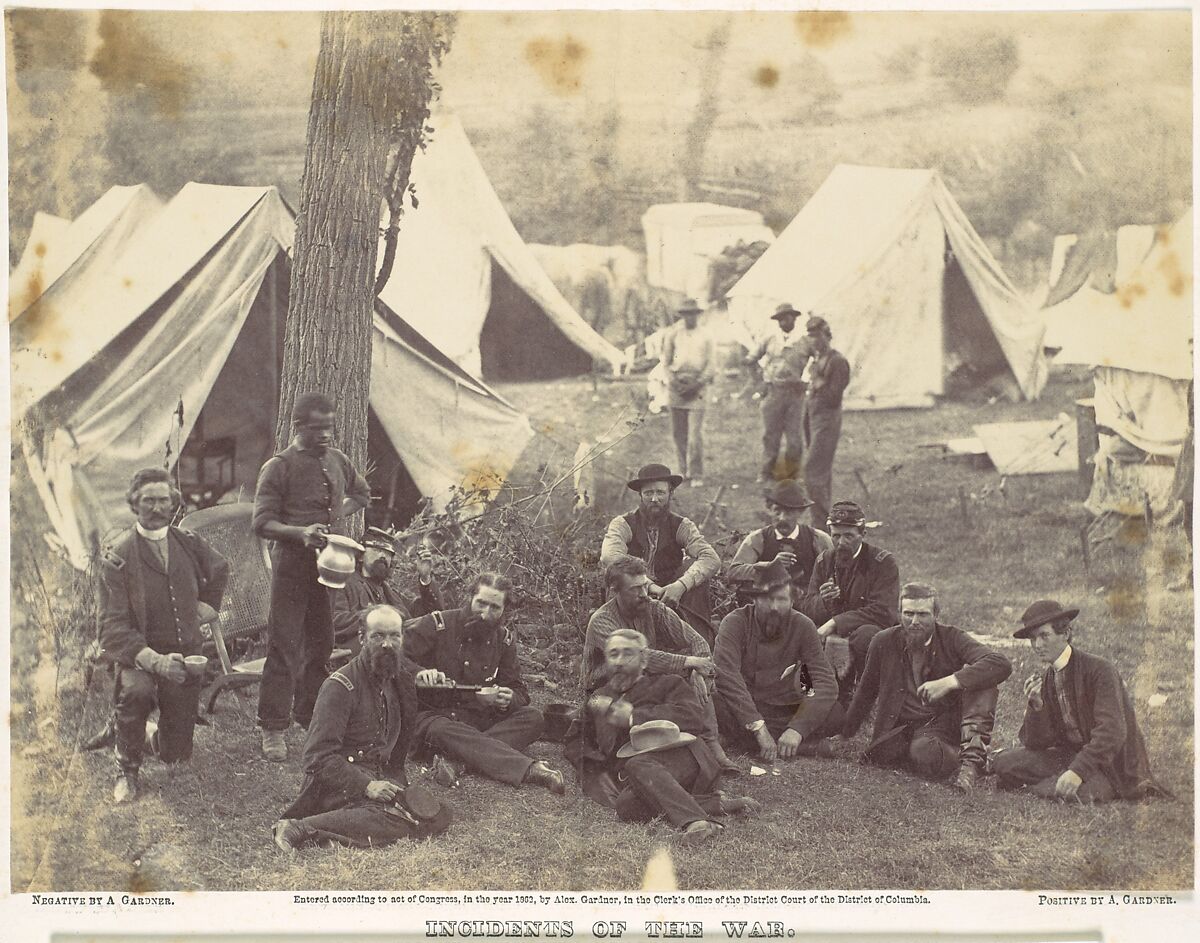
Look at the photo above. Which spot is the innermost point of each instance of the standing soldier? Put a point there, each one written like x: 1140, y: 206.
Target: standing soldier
x: 157, y: 584
x: 690, y: 362
x: 301, y: 492
x: 829, y: 375
x: 783, y: 357
x: 788, y: 540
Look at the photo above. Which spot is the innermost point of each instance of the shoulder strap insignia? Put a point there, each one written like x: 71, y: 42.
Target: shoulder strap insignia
x: 342, y: 680
x: 881, y: 556
x: 439, y: 620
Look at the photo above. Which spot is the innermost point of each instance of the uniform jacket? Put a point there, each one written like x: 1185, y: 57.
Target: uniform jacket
x: 196, y: 573
x: 1112, y: 742
x: 830, y: 375
x: 443, y: 641
x: 870, y: 588
x: 749, y: 669
x: 360, y: 731
x: 887, y: 674
x: 361, y: 593
x: 678, y: 537
x: 671, y: 640
x: 760, y: 547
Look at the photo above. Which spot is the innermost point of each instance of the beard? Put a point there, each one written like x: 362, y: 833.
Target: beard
x: 377, y: 570
x: 622, y: 679
x: 383, y: 663
x: 771, y: 623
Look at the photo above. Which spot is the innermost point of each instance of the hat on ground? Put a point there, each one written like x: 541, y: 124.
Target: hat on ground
x: 785, y: 310
x: 689, y: 306
x: 1040, y: 613
x: 653, y: 472
x: 817, y: 325
x: 379, y: 539
x: 788, y: 493
x: 768, y: 578
x: 652, y: 736
x: 847, y: 514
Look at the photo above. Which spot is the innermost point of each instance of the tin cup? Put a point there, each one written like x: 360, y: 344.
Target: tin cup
x: 195, y: 665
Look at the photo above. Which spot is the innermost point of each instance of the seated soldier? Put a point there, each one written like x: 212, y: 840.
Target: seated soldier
x: 1080, y: 739
x: 636, y: 750
x: 787, y: 540
x: 852, y: 595
x: 936, y: 689
x: 369, y: 586
x: 675, y: 647
x: 776, y: 692
x: 356, y: 792
x: 487, y: 727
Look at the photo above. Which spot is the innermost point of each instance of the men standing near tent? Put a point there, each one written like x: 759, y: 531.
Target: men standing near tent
x: 301, y: 492
x: 934, y: 689
x: 829, y: 375
x: 666, y: 541
x: 157, y: 583
x: 368, y: 586
x: 690, y: 361
x: 1080, y: 739
x: 788, y: 540
x: 783, y: 356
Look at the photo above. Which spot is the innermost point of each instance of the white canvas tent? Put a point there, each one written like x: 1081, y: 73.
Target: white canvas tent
x: 909, y: 288
x: 27, y: 280
x: 683, y: 239
x: 465, y: 279
x: 187, y: 351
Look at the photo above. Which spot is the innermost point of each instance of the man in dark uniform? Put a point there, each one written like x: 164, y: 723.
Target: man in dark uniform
x: 776, y: 692
x: 681, y: 561
x: 356, y: 791
x: 486, y: 730
x: 1080, y: 739
x: 157, y: 583
x: 935, y: 691
x: 636, y: 746
x: 852, y: 594
x: 787, y: 540
x: 368, y: 586
x: 828, y: 376
x: 301, y: 492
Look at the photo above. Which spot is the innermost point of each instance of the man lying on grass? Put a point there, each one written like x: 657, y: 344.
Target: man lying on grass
x: 1080, y: 737
x: 937, y: 690
x: 636, y: 748
x: 356, y: 792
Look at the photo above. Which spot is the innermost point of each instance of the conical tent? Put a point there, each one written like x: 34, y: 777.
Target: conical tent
x: 189, y: 354
x: 465, y: 279
x: 907, y: 285
x: 27, y: 280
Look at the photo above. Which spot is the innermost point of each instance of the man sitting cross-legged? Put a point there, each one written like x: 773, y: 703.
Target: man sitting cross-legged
x: 776, y: 692
x: 935, y: 691
x: 636, y: 749
x: 355, y: 789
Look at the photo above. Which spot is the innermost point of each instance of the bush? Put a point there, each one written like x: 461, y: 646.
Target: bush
x: 977, y: 67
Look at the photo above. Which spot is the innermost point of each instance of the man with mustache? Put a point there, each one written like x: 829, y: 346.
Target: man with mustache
x: 666, y: 541
x: 776, y: 693
x: 157, y: 584
x: 301, y: 492
x: 369, y: 586
x: 787, y: 540
x: 934, y: 689
x: 483, y: 730
x: 636, y: 749
x: 356, y: 791
x: 851, y: 595
x: 1080, y: 741
x: 783, y: 355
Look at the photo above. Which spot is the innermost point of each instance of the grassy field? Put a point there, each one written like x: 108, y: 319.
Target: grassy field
x: 826, y: 823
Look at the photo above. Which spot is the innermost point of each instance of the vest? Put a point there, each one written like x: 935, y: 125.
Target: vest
x: 667, y: 565
x: 802, y: 545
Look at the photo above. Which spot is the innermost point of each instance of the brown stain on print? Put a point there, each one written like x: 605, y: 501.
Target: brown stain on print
x: 558, y: 62
x: 823, y: 28
x: 766, y: 76
x: 128, y: 62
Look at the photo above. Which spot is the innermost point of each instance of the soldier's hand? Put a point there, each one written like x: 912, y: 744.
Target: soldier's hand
x: 314, y: 535
x: 171, y: 667
x: 932, y: 691
x: 829, y: 591
x: 429, y: 677
x: 655, y: 591
x: 1033, y: 691
x: 205, y: 613
x: 672, y: 593
x: 382, y: 790
x: 786, y: 557
x: 424, y: 561
x: 504, y: 697
x: 767, y: 748
x: 621, y: 715
x: 599, y: 703
x: 1068, y: 785
x: 705, y: 666
x: 789, y: 743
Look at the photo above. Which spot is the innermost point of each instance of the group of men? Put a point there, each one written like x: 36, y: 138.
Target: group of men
x: 825, y: 633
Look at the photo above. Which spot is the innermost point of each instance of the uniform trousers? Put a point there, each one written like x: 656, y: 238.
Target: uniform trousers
x: 687, y: 428
x: 859, y: 640
x: 368, y: 824
x: 300, y: 641
x: 776, y: 717
x: 661, y: 783
x: 138, y: 693
x: 487, y: 744
x: 1040, y: 769
x: 783, y: 415
x: 822, y: 430
x: 935, y: 749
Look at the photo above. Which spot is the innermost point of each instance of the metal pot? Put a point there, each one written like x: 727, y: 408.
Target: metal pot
x: 337, y: 560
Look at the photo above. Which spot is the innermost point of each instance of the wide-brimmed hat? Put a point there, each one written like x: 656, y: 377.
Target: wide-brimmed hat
x: 846, y: 514
x: 653, y: 472
x: 768, y: 578
x: 652, y: 736
x: 785, y: 310
x: 1040, y: 613
x: 817, y: 325
x: 788, y: 493
x: 689, y: 306
x: 379, y: 539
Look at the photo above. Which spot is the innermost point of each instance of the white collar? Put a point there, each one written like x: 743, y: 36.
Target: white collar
x: 792, y: 536
x: 1061, y: 661
x: 155, y: 535
x: 857, y: 552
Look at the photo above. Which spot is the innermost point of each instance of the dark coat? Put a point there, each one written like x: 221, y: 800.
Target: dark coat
x: 870, y: 591
x: 1112, y: 742
x: 887, y: 674
x: 197, y: 573
x: 348, y: 746
x: 361, y: 593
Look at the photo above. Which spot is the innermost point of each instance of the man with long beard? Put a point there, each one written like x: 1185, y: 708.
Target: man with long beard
x: 356, y: 791
x: 776, y: 692
x: 636, y: 746
x: 485, y: 728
